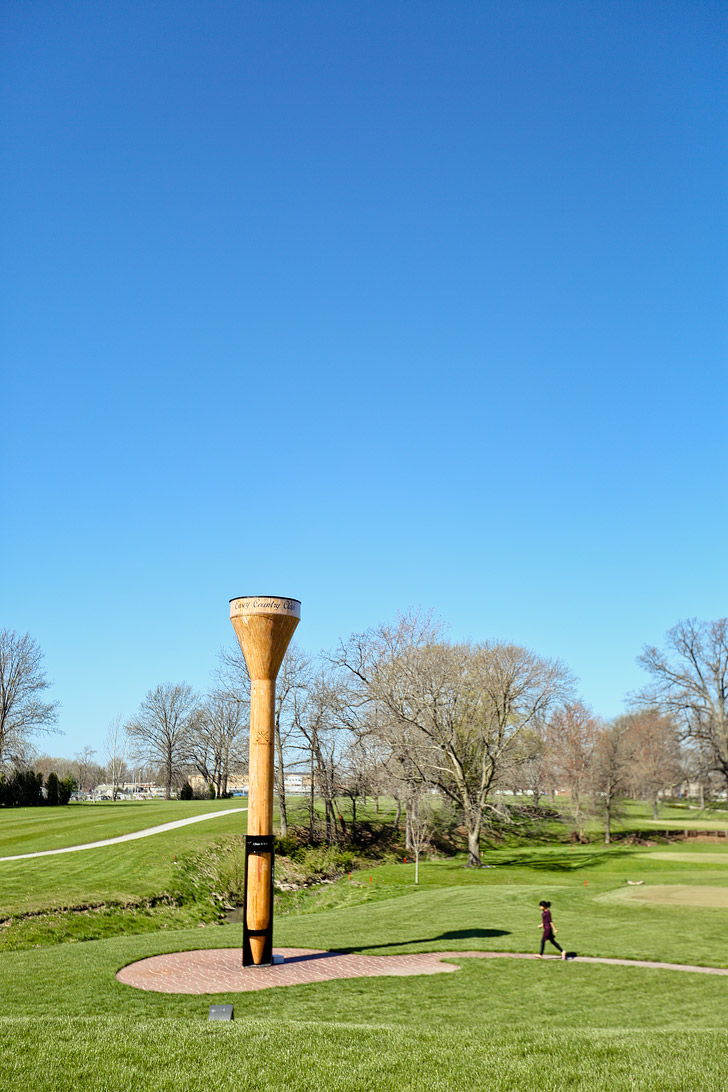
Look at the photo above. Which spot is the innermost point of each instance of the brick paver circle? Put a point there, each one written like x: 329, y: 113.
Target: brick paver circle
x: 220, y: 970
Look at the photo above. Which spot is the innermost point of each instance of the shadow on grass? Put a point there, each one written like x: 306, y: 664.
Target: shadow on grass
x: 567, y: 861
x: 451, y: 934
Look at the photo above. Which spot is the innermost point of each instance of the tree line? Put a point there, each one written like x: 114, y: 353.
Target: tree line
x: 400, y: 710
x: 29, y: 789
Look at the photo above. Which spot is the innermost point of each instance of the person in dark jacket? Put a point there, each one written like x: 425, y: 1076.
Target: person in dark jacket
x: 548, y: 930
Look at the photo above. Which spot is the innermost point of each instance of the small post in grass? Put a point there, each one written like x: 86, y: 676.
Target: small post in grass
x: 264, y: 626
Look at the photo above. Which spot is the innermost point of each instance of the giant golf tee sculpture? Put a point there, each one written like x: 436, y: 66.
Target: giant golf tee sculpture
x: 264, y: 626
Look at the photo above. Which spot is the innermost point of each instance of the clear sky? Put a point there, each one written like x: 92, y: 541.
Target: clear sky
x: 369, y: 304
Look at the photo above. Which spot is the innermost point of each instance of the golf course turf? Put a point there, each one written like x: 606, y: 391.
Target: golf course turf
x: 499, y: 1025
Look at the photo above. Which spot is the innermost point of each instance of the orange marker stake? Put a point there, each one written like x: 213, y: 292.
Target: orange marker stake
x: 370, y: 879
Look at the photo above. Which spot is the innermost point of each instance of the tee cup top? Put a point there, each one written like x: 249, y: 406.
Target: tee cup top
x: 265, y: 604
x: 264, y: 625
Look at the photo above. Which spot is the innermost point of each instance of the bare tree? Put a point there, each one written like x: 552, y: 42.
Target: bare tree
x: 355, y: 775
x: 232, y: 679
x: 218, y: 741
x: 420, y: 826
x: 291, y: 691
x: 115, y: 745
x: 698, y: 770
x: 407, y: 767
x: 655, y: 759
x: 610, y: 769
x: 22, y: 683
x: 532, y: 767
x: 88, y: 770
x: 690, y: 684
x: 572, y: 735
x: 64, y: 767
x: 318, y: 720
x: 457, y: 709
x: 161, y: 732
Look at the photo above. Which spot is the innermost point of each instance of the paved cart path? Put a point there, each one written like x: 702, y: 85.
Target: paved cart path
x: 146, y: 833
x: 219, y: 970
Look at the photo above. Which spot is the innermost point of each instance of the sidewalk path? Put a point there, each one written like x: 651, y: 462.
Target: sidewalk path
x: 125, y: 837
x: 219, y: 970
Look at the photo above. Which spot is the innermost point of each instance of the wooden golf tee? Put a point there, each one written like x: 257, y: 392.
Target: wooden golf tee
x: 264, y: 626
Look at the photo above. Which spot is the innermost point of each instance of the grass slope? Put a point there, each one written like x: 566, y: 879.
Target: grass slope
x: 504, y: 1025
x: 498, y: 1025
x: 32, y: 830
x: 124, y: 872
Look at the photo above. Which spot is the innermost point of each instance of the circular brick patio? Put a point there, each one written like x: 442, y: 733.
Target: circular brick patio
x: 220, y: 970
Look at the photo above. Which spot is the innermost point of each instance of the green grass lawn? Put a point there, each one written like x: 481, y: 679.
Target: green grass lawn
x: 29, y: 830
x: 677, y: 816
x: 125, y: 872
x: 498, y: 1025
x: 505, y: 1025
x: 266, y: 1055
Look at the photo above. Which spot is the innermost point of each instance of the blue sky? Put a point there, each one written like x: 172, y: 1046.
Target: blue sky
x: 373, y: 305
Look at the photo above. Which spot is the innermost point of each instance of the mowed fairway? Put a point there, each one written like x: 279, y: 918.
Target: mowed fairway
x: 500, y: 1025
x: 118, y: 873
x: 33, y: 830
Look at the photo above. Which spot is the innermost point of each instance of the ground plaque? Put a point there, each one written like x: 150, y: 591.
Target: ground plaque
x: 221, y: 1012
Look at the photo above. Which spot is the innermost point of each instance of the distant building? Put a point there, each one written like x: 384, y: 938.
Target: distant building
x: 130, y: 790
x: 294, y: 783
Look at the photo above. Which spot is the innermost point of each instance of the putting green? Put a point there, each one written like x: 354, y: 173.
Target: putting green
x: 677, y: 894
x: 691, y: 858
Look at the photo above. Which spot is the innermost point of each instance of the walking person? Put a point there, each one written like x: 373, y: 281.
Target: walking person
x: 548, y: 930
